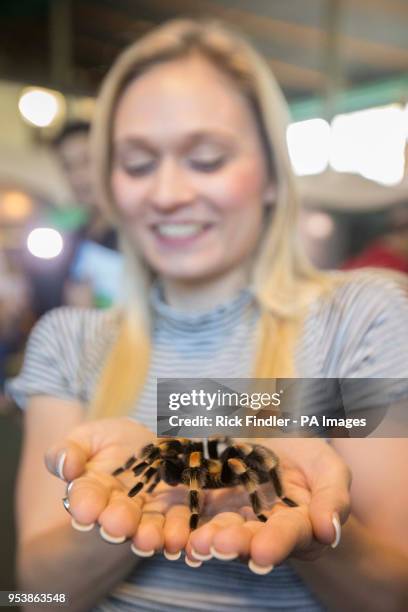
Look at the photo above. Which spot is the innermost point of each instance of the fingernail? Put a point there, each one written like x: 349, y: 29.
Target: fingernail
x: 200, y: 556
x: 60, y: 465
x: 69, y: 487
x: 337, y: 530
x: 49, y: 465
x: 172, y: 556
x: 192, y: 563
x: 110, y: 538
x: 65, y: 503
x: 261, y: 570
x: 80, y: 526
x: 223, y: 556
x: 142, y: 553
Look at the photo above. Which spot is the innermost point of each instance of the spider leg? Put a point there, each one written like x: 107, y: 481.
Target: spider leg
x: 213, y: 446
x: 267, y: 461
x: 152, y: 487
x: 164, y: 468
x: 194, y: 476
x: 126, y: 466
x: 147, y: 476
x: 248, y: 478
x: 276, y: 481
x: 148, y: 455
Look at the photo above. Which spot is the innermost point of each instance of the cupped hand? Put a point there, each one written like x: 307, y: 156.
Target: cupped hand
x: 317, y: 479
x: 86, y: 460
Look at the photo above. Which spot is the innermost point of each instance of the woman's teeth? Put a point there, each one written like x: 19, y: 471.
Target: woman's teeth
x: 184, y: 230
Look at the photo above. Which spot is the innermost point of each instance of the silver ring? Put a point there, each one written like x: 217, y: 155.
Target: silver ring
x: 68, y: 488
x: 66, y: 504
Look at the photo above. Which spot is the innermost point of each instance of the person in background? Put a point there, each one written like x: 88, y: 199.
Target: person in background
x: 388, y: 251
x: 94, y: 239
x: 90, y: 243
x: 72, y: 148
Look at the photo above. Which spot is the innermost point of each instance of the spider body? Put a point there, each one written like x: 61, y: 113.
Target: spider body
x: 216, y: 464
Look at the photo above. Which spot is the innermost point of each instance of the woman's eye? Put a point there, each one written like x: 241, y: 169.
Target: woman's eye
x: 207, y: 165
x: 138, y: 169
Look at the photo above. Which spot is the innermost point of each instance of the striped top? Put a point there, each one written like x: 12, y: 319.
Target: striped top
x: 361, y: 331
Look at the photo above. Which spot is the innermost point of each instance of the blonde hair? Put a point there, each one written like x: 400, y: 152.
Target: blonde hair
x: 284, y: 281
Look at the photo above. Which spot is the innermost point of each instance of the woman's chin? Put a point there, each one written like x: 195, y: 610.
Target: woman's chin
x: 188, y: 275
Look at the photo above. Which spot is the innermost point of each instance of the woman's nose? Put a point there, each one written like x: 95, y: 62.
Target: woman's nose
x: 170, y: 187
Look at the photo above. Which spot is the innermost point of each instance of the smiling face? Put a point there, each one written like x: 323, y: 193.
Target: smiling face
x: 189, y: 172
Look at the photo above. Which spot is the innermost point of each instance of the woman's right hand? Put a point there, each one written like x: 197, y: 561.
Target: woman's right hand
x: 86, y: 460
x: 154, y: 522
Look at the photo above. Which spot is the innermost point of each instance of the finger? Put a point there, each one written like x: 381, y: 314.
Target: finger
x: 176, y: 531
x: 88, y: 497
x: 120, y: 518
x: 149, y: 537
x: 201, y: 541
x: 284, y: 532
x: 233, y: 541
x: 67, y: 460
x: 330, y: 502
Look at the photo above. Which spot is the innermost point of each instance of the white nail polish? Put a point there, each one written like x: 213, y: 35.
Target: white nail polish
x: 110, y: 538
x: 48, y: 464
x: 81, y: 527
x: 200, y: 556
x: 337, y: 530
x: 60, y: 465
x: 172, y: 556
x: 69, y: 486
x: 261, y: 570
x: 192, y: 563
x: 142, y: 553
x: 223, y: 556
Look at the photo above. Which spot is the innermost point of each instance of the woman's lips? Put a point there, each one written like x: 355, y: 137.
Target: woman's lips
x: 180, y: 234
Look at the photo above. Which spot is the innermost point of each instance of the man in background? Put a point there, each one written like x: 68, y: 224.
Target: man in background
x: 92, y: 277
x: 87, y: 273
x: 73, y: 153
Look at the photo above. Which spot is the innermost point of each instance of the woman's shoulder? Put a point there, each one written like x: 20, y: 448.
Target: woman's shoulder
x: 65, y: 349
x: 360, y: 328
x: 70, y: 324
x: 364, y: 295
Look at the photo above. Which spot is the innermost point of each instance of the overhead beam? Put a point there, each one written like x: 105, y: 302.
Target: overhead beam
x: 395, y: 7
x: 89, y: 15
x: 61, y: 46
x: 296, y: 77
x: 288, y: 75
x: 332, y: 58
x: 289, y: 33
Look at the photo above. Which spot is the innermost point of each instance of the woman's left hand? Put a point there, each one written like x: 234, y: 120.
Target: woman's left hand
x: 317, y: 479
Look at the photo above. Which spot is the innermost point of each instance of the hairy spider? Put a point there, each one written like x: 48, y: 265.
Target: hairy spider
x: 214, y: 464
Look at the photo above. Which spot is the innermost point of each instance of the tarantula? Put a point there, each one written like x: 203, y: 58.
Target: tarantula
x: 213, y: 464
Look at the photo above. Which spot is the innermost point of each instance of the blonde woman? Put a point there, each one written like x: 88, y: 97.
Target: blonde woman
x: 192, y: 167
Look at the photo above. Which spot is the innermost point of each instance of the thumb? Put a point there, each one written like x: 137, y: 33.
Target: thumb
x: 67, y: 460
x: 330, y: 503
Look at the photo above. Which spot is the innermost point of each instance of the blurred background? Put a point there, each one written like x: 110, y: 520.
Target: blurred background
x: 343, y: 66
